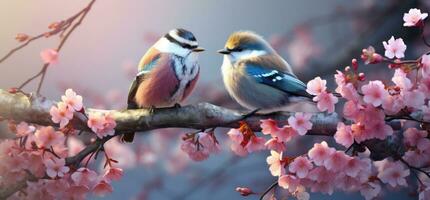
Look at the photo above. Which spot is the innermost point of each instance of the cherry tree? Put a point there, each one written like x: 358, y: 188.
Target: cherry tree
x: 381, y: 130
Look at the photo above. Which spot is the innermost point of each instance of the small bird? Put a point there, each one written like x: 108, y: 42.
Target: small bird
x: 256, y: 76
x: 167, y: 73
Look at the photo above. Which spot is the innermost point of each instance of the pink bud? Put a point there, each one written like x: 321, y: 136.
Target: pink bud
x: 347, y: 68
x: 354, y: 64
x: 244, y: 191
x: 361, y: 77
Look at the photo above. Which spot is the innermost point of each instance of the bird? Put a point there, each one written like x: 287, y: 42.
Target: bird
x: 256, y: 76
x: 167, y: 73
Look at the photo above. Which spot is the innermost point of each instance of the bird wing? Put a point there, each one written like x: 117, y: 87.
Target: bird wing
x: 146, y: 64
x: 271, y: 61
x: 283, y: 81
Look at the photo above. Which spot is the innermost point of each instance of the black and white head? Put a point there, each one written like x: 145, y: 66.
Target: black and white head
x: 178, y: 41
x: 245, y: 44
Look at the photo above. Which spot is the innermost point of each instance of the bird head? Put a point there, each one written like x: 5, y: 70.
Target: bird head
x: 245, y: 44
x: 179, y: 42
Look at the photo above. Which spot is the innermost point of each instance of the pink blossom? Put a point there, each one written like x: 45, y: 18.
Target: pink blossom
x: 413, y: 17
x: 276, y: 167
x: 394, y: 174
x: 235, y: 135
x: 424, y: 194
x: 49, y: 56
x: 101, y: 124
x: 425, y: 62
x: 23, y: 129
x: 352, y: 110
x: 208, y: 142
x: 238, y: 149
x: 244, y: 191
x: 301, y: 166
x: 289, y: 182
x: 374, y: 93
x: 113, y: 174
x: 369, y: 56
x: 413, y: 135
x: 301, y: 193
x: 394, y: 48
x: 269, y: 126
x: 61, y: 114
x: 102, y: 188
x: 401, y: 80
x: 316, y: 86
x: 414, y: 99
x: 326, y: 101
x: 320, y: 152
x: 56, y: 167
x: 343, y: 135
x: 423, y: 145
x: 354, y: 166
x: 340, y: 79
x: 370, y: 190
x: 194, y: 152
x: 359, y: 132
x: 72, y: 100
x: 256, y: 144
x: 46, y: 137
x: 275, y: 144
x: 84, y: 177
x: 285, y: 134
x: 393, y: 104
x: 337, y: 161
x: 300, y: 122
x: 380, y: 130
x: 348, y: 91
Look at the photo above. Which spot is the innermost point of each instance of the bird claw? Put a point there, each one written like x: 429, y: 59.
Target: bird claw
x: 152, y: 110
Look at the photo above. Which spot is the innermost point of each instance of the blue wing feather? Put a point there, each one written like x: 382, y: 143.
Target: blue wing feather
x: 276, y: 79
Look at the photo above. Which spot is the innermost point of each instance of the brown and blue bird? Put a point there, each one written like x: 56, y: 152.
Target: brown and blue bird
x: 167, y: 73
x: 256, y: 76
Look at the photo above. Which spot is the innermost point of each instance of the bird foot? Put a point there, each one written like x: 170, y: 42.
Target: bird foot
x: 245, y: 116
x: 152, y: 110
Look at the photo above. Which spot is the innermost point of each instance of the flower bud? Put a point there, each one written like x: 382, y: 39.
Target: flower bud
x: 21, y: 37
x: 244, y: 191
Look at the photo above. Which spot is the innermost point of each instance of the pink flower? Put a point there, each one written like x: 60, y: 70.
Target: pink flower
x: 102, y: 188
x: 325, y: 101
x: 380, y: 130
x: 56, y: 167
x: 275, y: 144
x: 208, y: 142
x: 320, y: 152
x: 401, y: 80
x: 300, y: 122
x: 374, y: 93
x: 269, y: 126
x: 23, y: 129
x: 354, y: 166
x: 316, y: 86
x: 84, y: 177
x: 414, y: 99
x: 46, y: 137
x: 61, y: 114
x: 394, y: 174
x: 337, y: 161
x: 235, y: 135
x: 101, y: 124
x: 238, y: 149
x: 394, y: 48
x: 256, y: 144
x: 301, y: 166
x: 285, y: 134
x: 276, y: 167
x: 348, y: 91
x: 359, y: 132
x: 113, y: 174
x: 370, y: 190
x: 72, y: 100
x: 426, y: 112
x: 49, y: 56
x: 413, y: 17
x: 369, y: 56
x: 289, y: 182
x: 393, y: 104
x: 194, y: 152
x: 343, y: 135
x: 244, y: 191
x: 413, y: 135
x: 425, y: 62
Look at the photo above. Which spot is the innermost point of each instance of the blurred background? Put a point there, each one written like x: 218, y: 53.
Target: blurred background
x: 100, y: 60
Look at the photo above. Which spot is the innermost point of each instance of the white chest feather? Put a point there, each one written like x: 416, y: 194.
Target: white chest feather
x: 186, y: 70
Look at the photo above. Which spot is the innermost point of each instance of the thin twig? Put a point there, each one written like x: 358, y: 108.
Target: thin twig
x: 268, y: 190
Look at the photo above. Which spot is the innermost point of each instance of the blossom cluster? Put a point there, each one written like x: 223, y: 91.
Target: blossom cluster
x: 200, y: 145
x: 41, y: 152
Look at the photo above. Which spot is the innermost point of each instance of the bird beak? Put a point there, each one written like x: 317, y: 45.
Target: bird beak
x: 198, y: 49
x: 224, y: 51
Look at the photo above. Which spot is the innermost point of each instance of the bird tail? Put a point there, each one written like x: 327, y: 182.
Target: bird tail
x: 129, y: 136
